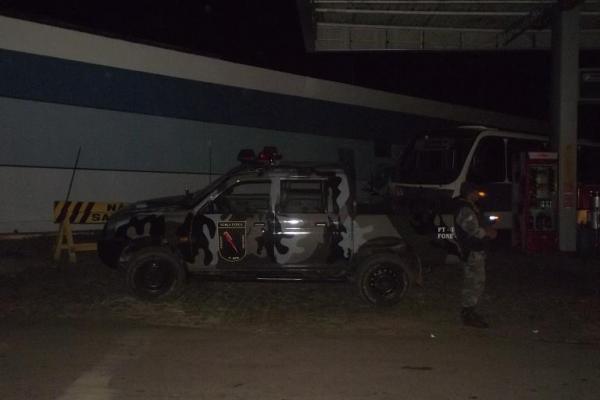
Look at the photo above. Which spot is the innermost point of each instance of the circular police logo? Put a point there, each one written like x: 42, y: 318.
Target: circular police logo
x: 232, y: 240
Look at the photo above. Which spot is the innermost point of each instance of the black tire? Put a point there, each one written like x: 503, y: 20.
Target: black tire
x: 383, y: 280
x: 155, y: 274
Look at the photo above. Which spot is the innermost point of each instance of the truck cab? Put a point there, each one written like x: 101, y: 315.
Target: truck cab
x: 436, y: 164
x: 263, y: 219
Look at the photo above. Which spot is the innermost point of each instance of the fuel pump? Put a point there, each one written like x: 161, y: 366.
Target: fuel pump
x: 595, y: 212
x: 536, y: 202
x: 588, y: 219
x: 592, y: 222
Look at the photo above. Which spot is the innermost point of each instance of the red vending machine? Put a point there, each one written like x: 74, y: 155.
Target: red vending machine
x: 536, y: 202
x: 588, y: 219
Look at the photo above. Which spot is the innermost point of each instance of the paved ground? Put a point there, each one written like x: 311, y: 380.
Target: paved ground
x: 76, y: 361
x: 73, y: 332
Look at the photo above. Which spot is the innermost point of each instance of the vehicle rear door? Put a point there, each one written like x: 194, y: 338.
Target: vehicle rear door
x: 308, y: 225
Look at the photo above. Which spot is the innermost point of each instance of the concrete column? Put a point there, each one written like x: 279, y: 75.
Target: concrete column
x: 565, y: 97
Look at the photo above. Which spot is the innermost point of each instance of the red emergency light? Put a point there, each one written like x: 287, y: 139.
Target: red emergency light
x: 268, y: 155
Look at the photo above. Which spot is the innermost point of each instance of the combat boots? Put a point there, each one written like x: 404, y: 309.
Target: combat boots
x: 471, y: 318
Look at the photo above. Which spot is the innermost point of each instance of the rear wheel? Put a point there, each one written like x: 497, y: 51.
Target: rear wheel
x: 383, y: 280
x: 155, y: 273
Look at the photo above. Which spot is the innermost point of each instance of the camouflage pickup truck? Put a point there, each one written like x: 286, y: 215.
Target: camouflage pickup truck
x: 264, y: 220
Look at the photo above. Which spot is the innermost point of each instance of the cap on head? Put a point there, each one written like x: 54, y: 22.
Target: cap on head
x: 466, y: 188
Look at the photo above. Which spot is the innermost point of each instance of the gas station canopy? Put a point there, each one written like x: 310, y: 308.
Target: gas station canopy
x: 379, y: 25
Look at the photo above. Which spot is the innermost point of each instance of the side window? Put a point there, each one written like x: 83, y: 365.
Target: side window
x: 488, y: 164
x: 518, y: 146
x: 244, y: 198
x: 303, y: 197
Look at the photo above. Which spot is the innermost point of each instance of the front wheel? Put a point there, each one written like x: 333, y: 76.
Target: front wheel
x: 155, y: 273
x: 383, y: 280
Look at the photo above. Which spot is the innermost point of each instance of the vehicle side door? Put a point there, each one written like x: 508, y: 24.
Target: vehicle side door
x: 309, y: 224
x: 228, y: 230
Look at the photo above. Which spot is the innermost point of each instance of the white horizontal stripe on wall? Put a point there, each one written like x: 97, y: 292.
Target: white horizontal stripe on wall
x: 40, y: 39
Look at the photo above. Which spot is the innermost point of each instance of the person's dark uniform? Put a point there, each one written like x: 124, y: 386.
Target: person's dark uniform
x: 471, y: 236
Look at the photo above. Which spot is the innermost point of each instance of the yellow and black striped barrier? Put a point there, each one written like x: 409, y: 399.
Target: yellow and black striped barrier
x: 84, y: 212
x: 79, y: 212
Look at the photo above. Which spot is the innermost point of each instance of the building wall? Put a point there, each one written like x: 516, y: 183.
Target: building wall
x: 126, y: 156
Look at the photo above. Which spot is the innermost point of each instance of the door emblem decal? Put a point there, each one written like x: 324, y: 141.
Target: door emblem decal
x: 232, y: 240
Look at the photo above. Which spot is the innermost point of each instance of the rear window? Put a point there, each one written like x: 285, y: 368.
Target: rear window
x: 303, y: 197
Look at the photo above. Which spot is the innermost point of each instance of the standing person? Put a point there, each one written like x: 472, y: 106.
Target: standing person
x: 471, y: 235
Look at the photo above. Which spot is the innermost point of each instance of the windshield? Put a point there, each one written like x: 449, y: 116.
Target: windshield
x: 435, y: 158
x: 202, y: 193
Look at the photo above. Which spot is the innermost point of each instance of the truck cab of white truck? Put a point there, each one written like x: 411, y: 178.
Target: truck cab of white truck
x: 436, y: 163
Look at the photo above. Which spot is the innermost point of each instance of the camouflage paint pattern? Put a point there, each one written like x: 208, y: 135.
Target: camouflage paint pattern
x: 474, y: 278
x: 272, y: 239
x: 473, y: 263
x: 468, y: 220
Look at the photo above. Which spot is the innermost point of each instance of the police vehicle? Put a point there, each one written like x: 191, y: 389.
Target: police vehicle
x: 263, y: 219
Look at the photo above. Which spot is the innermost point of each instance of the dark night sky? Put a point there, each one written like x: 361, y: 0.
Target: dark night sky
x: 267, y: 33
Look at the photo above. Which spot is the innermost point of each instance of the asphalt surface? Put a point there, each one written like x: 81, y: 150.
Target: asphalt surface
x: 90, y: 361
x: 74, y: 332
